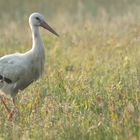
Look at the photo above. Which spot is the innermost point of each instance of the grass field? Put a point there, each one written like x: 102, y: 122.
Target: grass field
x: 90, y: 89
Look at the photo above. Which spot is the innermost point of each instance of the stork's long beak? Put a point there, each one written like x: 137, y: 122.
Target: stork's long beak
x: 46, y: 26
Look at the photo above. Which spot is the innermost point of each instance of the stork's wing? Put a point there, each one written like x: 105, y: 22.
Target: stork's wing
x: 11, y: 67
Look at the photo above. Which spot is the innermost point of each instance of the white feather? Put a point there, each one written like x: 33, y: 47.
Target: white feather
x: 23, y: 69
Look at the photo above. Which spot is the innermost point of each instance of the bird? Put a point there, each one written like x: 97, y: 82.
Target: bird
x: 19, y: 70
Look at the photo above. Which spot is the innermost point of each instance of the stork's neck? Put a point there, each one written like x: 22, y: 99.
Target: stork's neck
x: 35, y: 32
x: 37, y: 44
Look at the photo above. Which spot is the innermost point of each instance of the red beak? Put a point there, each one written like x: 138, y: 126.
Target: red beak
x: 46, y: 26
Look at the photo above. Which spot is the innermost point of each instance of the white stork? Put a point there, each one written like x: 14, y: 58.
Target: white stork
x: 19, y: 70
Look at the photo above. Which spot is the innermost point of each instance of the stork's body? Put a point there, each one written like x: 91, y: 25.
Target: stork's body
x: 22, y: 69
x: 17, y: 71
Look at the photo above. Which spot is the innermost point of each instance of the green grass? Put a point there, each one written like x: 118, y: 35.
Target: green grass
x: 90, y: 89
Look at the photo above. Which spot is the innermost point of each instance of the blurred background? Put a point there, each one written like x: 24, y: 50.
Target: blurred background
x: 74, y: 10
x: 76, y: 19
x: 68, y: 18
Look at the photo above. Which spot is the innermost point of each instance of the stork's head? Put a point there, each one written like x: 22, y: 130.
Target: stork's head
x: 36, y: 19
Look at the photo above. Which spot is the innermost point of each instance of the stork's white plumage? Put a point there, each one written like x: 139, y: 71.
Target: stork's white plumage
x: 19, y: 70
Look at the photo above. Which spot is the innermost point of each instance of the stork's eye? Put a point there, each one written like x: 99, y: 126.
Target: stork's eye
x: 38, y: 18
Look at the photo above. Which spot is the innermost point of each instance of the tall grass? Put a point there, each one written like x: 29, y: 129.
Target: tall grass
x: 90, y: 89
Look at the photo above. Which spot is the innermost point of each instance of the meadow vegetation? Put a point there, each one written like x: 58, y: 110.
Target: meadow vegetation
x: 90, y: 89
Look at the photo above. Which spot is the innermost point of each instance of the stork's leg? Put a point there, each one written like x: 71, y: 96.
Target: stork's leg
x: 11, y: 114
x: 8, y: 110
x: 14, y: 102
